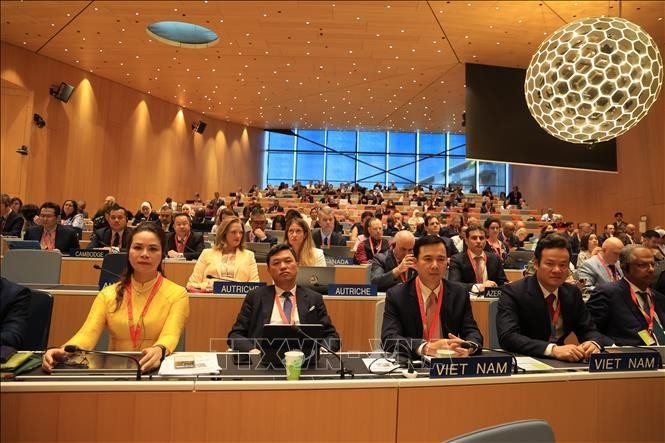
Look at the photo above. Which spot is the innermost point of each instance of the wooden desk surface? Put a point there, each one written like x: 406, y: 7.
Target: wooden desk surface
x: 579, y: 406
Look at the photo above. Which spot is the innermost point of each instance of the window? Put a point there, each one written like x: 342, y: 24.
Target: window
x: 368, y: 157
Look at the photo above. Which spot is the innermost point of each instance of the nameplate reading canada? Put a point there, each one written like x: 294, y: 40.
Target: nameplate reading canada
x: 339, y: 260
x: 624, y: 361
x: 352, y: 290
x: 474, y: 366
x: 232, y: 287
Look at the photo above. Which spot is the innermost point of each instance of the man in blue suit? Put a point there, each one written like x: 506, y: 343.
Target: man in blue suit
x: 628, y: 311
x: 537, y: 313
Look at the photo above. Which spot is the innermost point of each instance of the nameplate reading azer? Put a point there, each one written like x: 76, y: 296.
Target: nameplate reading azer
x: 352, y: 290
x: 474, y: 366
x: 234, y: 288
x: 624, y: 360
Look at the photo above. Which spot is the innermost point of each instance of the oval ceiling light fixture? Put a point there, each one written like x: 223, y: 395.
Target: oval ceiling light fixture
x: 185, y: 35
x: 593, y: 79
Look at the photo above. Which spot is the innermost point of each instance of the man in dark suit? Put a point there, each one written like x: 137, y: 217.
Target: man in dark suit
x: 573, y: 239
x: 274, y: 304
x: 166, y: 219
x: 14, y: 313
x: 537, y: 313
x: 628, y: 311
x: 258, y: 223
x: 433, y: 227
x: 428, y: 299
x: 183, y: 243
x: 396, y: 265
x: 275, y: 207
x: 11, y: 223
x: 326, y: 236
x: 116, y: 235
x: 474, y: 268
x: 51, y: 234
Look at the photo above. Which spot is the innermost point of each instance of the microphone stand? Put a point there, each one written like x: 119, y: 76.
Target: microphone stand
x: 342, y: 371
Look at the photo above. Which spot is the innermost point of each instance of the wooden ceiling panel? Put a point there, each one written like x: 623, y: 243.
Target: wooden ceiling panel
x: 343, y: 64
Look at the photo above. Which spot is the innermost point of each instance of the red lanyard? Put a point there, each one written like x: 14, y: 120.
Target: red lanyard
x: 652, y: 310
x: 613, y: 275
x: 473, y: 265
x: 428, y: 330
x: 180, y: 246
x: 281, y: 309
x: 135, y: 329
x: 371, y: 245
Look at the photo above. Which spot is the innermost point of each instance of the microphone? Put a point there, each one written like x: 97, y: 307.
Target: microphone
x: 73, y: 349
x: 342, y: 371
x: 108, y: 272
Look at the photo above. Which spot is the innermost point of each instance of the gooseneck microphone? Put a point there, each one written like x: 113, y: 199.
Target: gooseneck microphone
x: 342, y: 370
x: 98, y: 267
x: 73, y: 349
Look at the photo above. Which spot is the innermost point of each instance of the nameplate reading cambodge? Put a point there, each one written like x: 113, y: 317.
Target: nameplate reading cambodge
x: 621, y: 360
x: 89, y: 253
x: 352, y: 290
x: 474, y: 366
x: 232, y: 287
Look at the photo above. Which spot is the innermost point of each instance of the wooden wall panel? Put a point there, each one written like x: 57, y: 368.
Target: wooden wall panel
x: 110, y: 139
x: 637, y: 189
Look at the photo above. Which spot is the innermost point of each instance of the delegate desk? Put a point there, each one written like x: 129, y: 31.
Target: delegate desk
x: 580, y: 406
x: 81, y: 271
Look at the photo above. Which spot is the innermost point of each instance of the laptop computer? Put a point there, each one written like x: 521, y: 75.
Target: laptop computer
x: 279, y: 338
x: 518, y: 259
x: 316, y: 278
x: 23, y: 244
x: 258, y: 247
x: 338, y: 251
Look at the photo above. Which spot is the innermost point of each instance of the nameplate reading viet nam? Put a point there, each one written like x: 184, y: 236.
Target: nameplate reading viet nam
x: 632, y: 359
x: 352, y: 290
x: 89, y: 253
x: 474, y: 366
x: 232, y: 287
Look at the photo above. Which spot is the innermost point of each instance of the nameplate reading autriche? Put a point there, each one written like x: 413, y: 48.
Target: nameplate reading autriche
x: 352, y: 290
x: 232, y: 287
x: 89, y: 253
x: 474, y: 366
x: 339, y: 260
x: 620, y: 360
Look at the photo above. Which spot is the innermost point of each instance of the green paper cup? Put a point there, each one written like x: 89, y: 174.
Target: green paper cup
x: 293, y: 362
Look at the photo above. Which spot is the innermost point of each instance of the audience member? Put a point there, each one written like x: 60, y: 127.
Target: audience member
x: 602, y: 267
x: 51, y: 235
x: 415, y: 220
x: 14, y: 313
x: 548, y: 216
x: 618, y: 221
x: 607, y: 233
x: 183, y: 243
x: 537, y: 313
x: 374, y: 244
x: 99, y: 220
x: 588, y: 248
x: 71, y: 216
x: 570, y: 235
x: 227, y: 260
x: 652, y: 240
x: 416, y: 320
x: 396, y: 265
x: 10, y: 222
x: 278, y: 223
x: 166, y: 218
x: 299, y: 237
x: 326, y: 235
x: 116, y: 235
x: 258, y: 223
x: 493, y: 244
x: 281, y: 303
x: 162, y: 304
x: 628, y: 311
x: 508, y: 238
x: 275, y: 207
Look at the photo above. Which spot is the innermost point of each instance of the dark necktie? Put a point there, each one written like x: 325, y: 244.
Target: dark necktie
x: 326, y: 241
x: 613, y: 270
x: 288, y: 305
x: 116, y: 240
x: 645, y: 300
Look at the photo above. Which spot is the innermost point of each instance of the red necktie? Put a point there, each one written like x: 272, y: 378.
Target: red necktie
x: 550, y: 305
x: 430, y: 312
